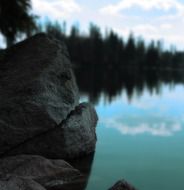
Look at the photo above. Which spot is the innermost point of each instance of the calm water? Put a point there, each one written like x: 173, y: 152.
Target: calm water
x: 141, y: 141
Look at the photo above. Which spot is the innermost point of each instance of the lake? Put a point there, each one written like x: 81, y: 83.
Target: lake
x: 140, y: 139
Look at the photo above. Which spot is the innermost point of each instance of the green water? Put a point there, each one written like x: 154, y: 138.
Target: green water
x: 141, y: 141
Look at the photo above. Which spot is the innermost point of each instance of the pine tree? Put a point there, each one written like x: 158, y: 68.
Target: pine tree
x: 15, y: 19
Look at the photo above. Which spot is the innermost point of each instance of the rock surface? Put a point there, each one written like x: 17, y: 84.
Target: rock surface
x: 74, y: 137
x: 28, y: 168
x: 38, y: 94
x: 122, y: 185
x: 14, y: 183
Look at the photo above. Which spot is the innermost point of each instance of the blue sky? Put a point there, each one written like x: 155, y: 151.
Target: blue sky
x: 151, y: 19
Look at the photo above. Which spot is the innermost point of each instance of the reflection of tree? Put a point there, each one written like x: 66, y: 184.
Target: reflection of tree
x: 15, y: 19
x: 111, y: 83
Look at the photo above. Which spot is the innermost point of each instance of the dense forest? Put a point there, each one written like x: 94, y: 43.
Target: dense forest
x: 111, y: 51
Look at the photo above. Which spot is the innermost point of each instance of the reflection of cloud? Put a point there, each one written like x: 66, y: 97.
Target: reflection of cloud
x: 167, y: 101
x: 55, y: 9
x: 158, y: 128
x: 144, y: 105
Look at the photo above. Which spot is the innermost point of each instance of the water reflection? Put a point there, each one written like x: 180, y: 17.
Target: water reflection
x: 149, y: 114
x: 133, y: 82
x: 140, y: 130
x: 140, y: 141
x: 164, y: 127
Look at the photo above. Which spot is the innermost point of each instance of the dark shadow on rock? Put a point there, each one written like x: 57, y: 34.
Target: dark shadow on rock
x: 84, y: 165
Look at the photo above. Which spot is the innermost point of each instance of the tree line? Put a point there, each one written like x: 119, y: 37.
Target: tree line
x: 110, y: 51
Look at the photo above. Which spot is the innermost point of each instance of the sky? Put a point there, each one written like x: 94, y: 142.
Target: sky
x: 150, y: 19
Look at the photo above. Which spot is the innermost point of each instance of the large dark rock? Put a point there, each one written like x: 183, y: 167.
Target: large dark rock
x: 14, y: 183
x: 47, y: 173
x: 37, y: 95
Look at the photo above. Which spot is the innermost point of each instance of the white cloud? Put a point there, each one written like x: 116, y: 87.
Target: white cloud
x: 145, y: 29
x: 146, y: 5
x: 155, y: 129
x: 55, y: 9
x: 166, y: 24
